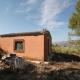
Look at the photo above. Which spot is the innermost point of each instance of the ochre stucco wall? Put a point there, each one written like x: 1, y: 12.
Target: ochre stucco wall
x: 34, y: 46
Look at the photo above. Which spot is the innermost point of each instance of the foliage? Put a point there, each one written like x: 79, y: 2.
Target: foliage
x: 66, y: 50
x: 74, y: 21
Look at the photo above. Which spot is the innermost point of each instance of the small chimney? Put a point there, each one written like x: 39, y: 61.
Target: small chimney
x: 44, y: 30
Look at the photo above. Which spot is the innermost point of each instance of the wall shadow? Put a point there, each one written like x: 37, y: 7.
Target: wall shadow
x: 61, y: 57
x: 64, y: 74
x: 32, y: 73
x: 18, y: 74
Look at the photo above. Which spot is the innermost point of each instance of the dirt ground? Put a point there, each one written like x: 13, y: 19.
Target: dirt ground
x: 51, y: 71
x: 60, y: 67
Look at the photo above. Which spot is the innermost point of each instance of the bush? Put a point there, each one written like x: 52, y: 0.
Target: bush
x: 65, y: 50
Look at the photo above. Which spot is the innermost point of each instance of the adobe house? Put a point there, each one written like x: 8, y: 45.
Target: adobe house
x: 30, y: 45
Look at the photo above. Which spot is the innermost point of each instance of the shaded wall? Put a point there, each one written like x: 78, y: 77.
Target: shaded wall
x: 48, y: 46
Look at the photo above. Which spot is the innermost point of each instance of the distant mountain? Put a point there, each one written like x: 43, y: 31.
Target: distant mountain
x: 66, y: 43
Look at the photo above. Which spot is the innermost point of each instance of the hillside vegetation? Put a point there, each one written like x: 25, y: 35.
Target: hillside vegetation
x: 75, y: 50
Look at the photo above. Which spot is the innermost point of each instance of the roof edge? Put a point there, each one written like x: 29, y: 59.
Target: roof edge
x: 25, y: 33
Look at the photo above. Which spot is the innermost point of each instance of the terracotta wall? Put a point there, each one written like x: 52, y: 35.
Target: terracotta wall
x: 34, y: 46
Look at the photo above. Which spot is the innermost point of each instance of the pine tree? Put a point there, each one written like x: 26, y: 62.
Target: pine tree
x: 74, y: 21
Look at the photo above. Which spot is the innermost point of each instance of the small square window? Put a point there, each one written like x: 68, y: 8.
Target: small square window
x: 19, y: 45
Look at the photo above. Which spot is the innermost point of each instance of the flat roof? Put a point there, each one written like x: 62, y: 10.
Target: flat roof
x: 26, y: 33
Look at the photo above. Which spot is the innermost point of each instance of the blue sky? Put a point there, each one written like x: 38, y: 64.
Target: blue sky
x: 35, y: 15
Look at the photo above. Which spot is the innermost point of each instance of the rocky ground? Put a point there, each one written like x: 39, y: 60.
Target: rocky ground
x: 49, y: 71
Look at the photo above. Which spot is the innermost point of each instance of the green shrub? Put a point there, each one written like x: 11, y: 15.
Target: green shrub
x: 66, y: 50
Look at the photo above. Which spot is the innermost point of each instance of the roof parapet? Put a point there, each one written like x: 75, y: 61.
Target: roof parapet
x: 44, y: 31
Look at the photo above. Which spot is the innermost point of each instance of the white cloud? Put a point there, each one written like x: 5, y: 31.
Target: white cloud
x: 28, y: 2
x: 23, y: 10
x: 31, y: 1
x: 54, y: 25
x: 26, y: 6
x: 50, y: 9
x: 7, y: 9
